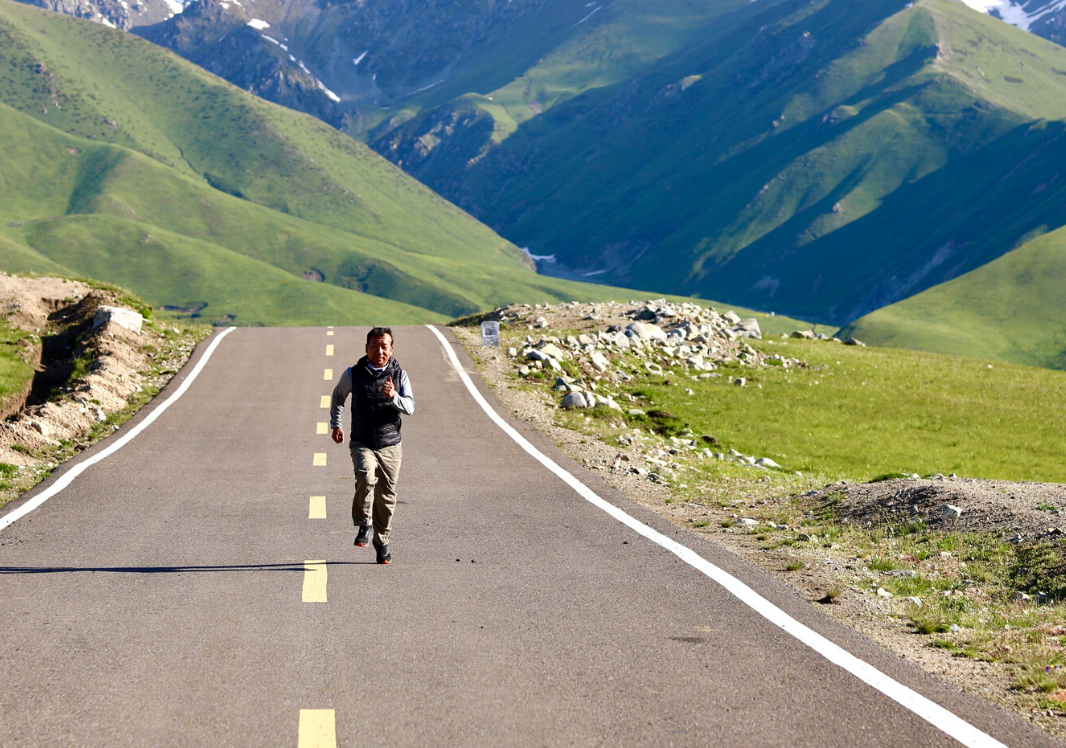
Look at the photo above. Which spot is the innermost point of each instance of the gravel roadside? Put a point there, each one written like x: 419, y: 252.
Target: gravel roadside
x: 828, y: 541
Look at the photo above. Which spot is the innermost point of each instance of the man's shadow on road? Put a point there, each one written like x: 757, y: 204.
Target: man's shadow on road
x: 293, y: 567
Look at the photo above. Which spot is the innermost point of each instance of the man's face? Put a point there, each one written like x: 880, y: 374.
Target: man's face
x: 379, y: 350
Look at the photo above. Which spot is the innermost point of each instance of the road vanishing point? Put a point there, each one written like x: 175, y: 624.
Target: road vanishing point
x: 191, y: 581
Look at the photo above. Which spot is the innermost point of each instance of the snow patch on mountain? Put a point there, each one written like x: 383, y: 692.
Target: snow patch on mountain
x: 319, y: 84
x: 175, y: 6
x: 590, y: 15
x: 1022, y: 15
x: 538, y: 258
x: 274, y: 41
x: 258, y: 25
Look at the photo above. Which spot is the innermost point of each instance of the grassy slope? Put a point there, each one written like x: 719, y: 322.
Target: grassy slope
x: 875, y: 119
x: 737, y: 165
x: 183, y: 272
x: 47, y: 174
x: 312, y: 198
x: 989, y: 312
x: 550, y: 56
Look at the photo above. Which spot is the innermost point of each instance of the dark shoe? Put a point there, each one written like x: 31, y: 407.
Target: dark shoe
x: 362, y: 538
x: 384, y: 557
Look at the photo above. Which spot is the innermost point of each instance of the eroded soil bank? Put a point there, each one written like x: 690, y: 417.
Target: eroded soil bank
x: 87, y: 378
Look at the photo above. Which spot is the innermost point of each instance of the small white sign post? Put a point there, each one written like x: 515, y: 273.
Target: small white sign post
x: 490, y: 334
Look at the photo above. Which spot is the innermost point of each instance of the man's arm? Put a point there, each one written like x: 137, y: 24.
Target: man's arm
x: 404, y: 399
x: 336, y: 405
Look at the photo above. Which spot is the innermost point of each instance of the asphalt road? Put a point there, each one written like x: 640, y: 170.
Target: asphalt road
x: 159, y: 599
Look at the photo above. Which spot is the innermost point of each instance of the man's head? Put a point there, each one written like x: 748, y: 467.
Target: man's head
x: 379, y: 346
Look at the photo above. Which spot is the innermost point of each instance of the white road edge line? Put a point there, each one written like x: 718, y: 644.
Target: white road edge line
x: 69, y: 476
x: 931, y: 712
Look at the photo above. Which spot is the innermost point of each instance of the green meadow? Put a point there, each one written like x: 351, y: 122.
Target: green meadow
x: 860, y: 413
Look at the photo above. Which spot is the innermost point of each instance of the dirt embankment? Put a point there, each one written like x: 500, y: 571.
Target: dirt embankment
x: 85, y: 370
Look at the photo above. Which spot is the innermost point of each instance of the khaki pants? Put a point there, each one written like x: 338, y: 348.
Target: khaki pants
x: 376, y: 473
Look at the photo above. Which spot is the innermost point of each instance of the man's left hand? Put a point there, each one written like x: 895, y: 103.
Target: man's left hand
x: 388, y: 390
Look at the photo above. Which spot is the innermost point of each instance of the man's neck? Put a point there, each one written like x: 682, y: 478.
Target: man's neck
x: 376, y: 368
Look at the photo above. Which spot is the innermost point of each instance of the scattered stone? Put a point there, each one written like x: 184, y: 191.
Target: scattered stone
x: 853, y: 341
x: 540, y: 322
x: 766, y: 462
x: 803, y: 334
x: 574, y: 400
x: 901, y: 573
x: 950, y: 512
x: 954, y: 628
x: 915, y: 601
x: 1021, y: 597
x: 645, y: 331
x: 121, y: 316
x: 740, y: 381
x: 748, y: 328
x: 747, y: 522
x: 882, y: 592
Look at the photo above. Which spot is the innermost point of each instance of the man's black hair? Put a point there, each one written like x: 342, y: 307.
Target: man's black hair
x: 377, y: 332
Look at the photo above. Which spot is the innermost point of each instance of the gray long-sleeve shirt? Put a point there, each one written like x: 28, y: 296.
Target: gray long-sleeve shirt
x: 403, y: 400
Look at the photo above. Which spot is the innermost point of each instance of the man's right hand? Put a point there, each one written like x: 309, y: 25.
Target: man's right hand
x: 338, y: 435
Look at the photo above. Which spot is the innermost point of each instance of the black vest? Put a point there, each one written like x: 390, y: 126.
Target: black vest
x: 375, y: 423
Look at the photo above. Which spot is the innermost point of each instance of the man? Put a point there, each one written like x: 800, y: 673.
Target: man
x: 380, y: 392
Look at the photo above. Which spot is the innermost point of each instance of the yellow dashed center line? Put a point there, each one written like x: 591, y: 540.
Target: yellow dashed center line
x: 329, y: 333
x: 324, y: 402
x: 328, y: 375
x: 314, y: 581
x: 319, y: 460
x: 318, y: 729
x: 329, y: 350
x: 322, y: 427
x: 318, y: 508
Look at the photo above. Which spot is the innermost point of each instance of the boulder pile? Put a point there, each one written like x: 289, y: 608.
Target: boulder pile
x: 619, y: 342
x: 593, y: 351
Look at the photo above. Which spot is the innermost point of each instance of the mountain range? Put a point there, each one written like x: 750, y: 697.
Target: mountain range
x: 821, y: 158
x: 123, y: 162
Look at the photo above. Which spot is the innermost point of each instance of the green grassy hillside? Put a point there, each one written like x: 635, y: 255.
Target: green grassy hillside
x: 1010, y: 310
x: 125, y: 163
x: 820, y: 158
